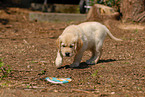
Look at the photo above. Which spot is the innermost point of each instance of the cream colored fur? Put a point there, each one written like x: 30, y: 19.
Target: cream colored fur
x: 76, y: 39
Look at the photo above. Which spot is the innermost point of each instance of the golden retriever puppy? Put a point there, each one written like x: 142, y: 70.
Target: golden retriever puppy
x: 76, y: 39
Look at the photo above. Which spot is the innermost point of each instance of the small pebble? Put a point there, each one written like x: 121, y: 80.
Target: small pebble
x: 112, y: 92
x: 55, y: 90
x: 28, y: 66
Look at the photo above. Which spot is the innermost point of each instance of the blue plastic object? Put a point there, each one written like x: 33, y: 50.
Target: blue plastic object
x: 58, y: 80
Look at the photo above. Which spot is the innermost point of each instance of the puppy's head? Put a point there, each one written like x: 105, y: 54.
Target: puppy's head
x: 69, y: 44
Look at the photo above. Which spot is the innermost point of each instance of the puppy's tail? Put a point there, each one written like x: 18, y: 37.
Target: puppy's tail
x: 113, y: 37
x: 109, y: 33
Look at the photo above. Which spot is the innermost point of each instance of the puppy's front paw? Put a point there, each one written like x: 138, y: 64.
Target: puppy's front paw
x: 58, y: 63
x: 74, y: 65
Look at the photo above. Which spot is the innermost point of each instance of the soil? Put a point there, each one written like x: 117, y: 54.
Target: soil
x: 29, y: 49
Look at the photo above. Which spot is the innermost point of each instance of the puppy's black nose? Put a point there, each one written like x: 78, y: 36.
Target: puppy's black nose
x: 67, y: 54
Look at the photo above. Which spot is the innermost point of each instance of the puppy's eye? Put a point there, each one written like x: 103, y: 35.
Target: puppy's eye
x: 71, y: 46
x: 63, y: 46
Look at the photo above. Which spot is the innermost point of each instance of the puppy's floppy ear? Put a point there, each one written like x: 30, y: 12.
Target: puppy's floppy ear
x: 79, y: 44
x: 58, y: 42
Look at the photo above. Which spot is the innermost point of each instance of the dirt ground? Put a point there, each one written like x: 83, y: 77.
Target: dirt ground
x: 29, y: 49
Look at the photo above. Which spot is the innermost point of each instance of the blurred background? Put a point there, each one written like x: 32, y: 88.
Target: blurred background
x: 70, y: 6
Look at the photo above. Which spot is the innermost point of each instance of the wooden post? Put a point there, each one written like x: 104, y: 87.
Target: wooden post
x: 101, y: 12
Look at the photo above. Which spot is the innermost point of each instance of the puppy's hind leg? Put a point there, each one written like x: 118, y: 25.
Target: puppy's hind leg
x: 96, y: 54
x: 99, y: 51
x: 91, y: 60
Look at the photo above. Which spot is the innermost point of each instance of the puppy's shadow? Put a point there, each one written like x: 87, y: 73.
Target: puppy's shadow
x: 81, y: 66
x: 84, y: 65
x: 105, y: 61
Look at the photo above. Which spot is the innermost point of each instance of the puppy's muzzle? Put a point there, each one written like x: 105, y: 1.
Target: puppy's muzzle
x: 67, y: 54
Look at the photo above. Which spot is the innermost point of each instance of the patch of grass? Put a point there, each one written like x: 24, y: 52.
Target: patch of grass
x: 95, y: 73
x: 132, y: 39
x: 42, y: 72
x: 126, y: 62
x: 136, y: 31
x: 4, y: 84
x: 139, y: 88
x: 34, y: 62
x: 95, y: 87
x: 4, y: 69
x: 28, y: 86
x: 110, y: 64
x: 102, y: 66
